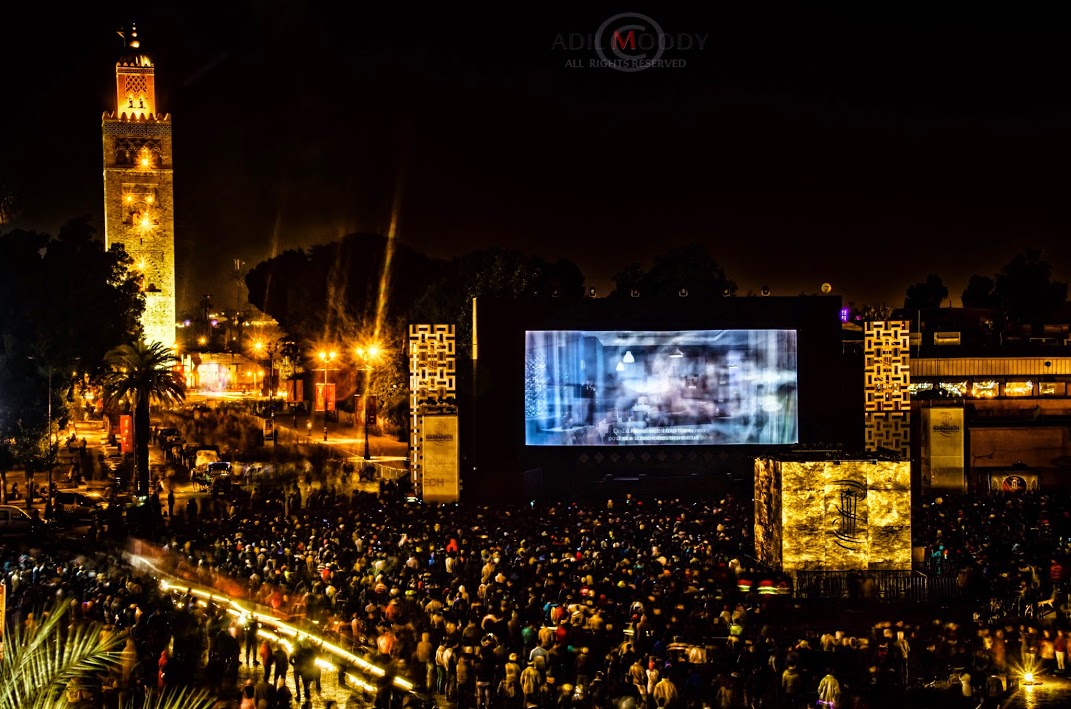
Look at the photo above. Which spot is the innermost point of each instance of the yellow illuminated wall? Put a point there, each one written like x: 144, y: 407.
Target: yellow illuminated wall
x: 833, y: 516
x: 942, y: 448
x: 138, y: 191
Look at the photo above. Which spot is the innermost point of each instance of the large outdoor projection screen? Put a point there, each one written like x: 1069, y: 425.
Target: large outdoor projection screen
x: 684, y: 387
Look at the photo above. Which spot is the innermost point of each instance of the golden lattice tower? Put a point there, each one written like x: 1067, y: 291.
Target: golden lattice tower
x: 138, y: 187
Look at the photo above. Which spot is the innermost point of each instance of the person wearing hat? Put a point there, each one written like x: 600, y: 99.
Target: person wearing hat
x: 531, y: 680
x: 513, y: 667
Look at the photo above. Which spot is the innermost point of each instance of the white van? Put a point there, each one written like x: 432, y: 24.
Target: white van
x: 203, y: 458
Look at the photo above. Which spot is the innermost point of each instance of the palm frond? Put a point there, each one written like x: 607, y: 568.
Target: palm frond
x: 142, y: 369
x: 182, y: 699
x: 38, y: 664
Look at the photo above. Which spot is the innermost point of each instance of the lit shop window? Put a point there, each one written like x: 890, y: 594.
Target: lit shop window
x: 985, y: 389
x: 1019, y: 389
x: 954, y: 388
x: 915, y: 387
x: 1052, y: 388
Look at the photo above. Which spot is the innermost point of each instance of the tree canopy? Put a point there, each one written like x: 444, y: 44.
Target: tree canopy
x: 1024, y: 288
x: 64, y: 302
x: 980, y: 293
x: 140, y: 373
x: 496, y: 273
x: 331, y: 291
x: 690, y: 268
x: 927, y: 294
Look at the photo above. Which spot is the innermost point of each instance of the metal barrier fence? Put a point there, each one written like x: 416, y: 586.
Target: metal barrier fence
x: 875, y: 586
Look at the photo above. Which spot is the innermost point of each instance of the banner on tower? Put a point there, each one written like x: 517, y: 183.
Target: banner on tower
x: 365, y: 410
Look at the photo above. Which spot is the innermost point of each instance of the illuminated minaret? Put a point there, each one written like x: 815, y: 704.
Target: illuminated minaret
x: 138, y: 187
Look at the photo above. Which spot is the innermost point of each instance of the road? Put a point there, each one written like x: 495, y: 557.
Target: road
x: 1052, y: 692
x: 341, y: 440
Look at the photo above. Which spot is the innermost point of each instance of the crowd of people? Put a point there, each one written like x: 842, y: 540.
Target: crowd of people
x: 1008, y: 552
x: 636, y: 604
x: 632, y: 600
x: 98, y: 589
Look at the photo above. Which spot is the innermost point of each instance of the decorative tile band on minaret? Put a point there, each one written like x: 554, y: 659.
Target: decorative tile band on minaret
x: 139, y: 187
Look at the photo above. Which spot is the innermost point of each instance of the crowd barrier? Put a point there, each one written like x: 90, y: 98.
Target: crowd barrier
x: 877, y: 585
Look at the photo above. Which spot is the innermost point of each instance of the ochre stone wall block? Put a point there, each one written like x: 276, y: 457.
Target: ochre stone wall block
x: 833, y: 515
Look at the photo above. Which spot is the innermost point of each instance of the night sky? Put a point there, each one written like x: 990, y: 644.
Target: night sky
x: 803, y: 145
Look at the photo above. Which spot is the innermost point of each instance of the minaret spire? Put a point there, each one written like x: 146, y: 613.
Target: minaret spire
x: 130, y: 41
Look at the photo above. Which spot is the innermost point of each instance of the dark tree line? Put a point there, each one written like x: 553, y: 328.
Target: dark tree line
x: 1023, y: 290
x: 329, y: 294
x: 64, y: 303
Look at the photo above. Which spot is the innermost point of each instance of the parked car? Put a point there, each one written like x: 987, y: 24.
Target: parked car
x: 221, y: 484
x: 219, y: 467
x: 15, y: 521
x: 79, y: 506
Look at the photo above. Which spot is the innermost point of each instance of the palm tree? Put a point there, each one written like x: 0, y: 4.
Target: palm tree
x: 140, y: 373
x: 44, y: 668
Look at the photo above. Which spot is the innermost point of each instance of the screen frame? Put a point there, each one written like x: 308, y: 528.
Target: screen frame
x: 715, y: 425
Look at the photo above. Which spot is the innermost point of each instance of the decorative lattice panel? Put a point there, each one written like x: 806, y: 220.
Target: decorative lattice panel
x: 137, y: 128
x: 888, y: 368
x: 432, y: 378
x: 891, y: 430
x: 135, y: 85
x: 888, y: 376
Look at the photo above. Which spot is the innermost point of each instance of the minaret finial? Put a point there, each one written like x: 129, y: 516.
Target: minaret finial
x: 134, y: 43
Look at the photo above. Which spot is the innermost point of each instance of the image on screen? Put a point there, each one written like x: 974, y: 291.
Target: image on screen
x: 687, y: 387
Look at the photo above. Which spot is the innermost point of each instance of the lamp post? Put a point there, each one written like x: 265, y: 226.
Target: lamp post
x: 50, y: 444
x: 48, y: 438
x: 326, y: 358
x: 366, y: 356
x: 260, y: 348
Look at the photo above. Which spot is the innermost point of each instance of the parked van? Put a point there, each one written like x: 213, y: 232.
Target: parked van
x: 14, y: 520
x: 204, y: 458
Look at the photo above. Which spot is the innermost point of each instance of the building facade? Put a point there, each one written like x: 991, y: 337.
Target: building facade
x: 138, y: 188
x: 991, y: 406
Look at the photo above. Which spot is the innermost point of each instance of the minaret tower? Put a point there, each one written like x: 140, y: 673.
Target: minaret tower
x: 138, y: 187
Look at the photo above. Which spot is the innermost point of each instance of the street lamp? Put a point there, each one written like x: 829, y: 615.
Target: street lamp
x: 366, y: 356
x: 48, y: 494
x: 326, y: 358
x: 51, y: 446
x: 260, y: 348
